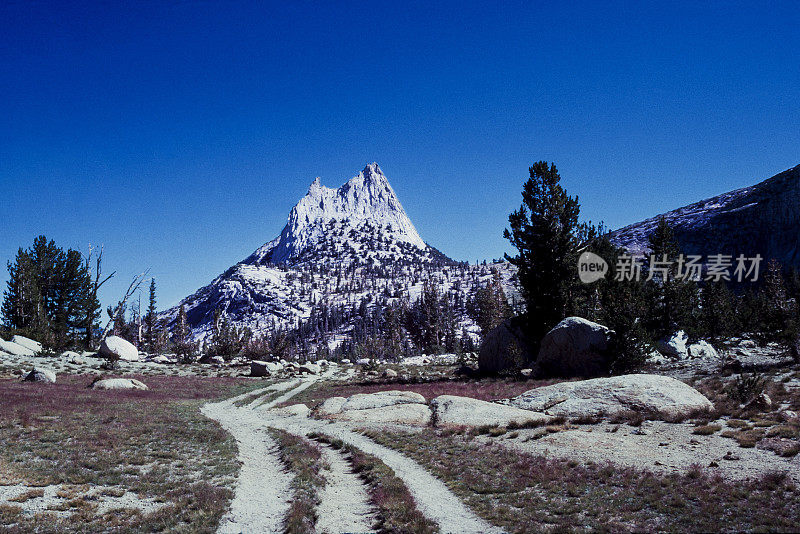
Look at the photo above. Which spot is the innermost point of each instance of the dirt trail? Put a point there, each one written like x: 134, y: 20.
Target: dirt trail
x: 260, y: 507
x: 262, y: 490
x: 344, y: 504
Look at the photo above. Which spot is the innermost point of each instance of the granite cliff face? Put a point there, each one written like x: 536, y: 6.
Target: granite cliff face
x: 761, y: 219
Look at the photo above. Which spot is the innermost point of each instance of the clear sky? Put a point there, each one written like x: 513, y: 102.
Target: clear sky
x: 179, y: 134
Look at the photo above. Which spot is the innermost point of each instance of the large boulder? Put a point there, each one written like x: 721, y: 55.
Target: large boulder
x: 651, y: 395
x: 39, y: 374
x: 72, y: 357
x: 575, y: 347
x: 259, y: 368
x: 674, y: 346
x: 29, y: 344
x: 114, y: 347
x: 15, y: 349
x: 703, y: 350
x: 505, y: 347
x: 119, y: 383
x: 451, y: 410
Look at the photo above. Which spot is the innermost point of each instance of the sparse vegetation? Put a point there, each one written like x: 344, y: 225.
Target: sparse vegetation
x: 304, y: 459
x: 524, y: 493
x: 153, y: 443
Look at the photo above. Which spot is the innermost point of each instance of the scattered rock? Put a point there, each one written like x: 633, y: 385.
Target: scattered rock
x: 161, y: 359
x: 29, y: 344
x: 730, y: 457
x: 505, y: 347
x: 760, y: 402
x: 118, y: 383
x: 649, y: 394
x: 526, y: 372
x: 466, y: 411
x: 15, y: 349
x: 575, y: 347
x: 704, y: 350
x: 363, y: 361
x: 788, y: 415
x: 114, y: 347
x: 39, y: 374
x: 389, y: 373
x: 345, y: 361
x: 217, y: 360
x: 674, y: 346
x: 310, y: 368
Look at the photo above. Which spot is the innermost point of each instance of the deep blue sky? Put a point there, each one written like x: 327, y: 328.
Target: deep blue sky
x: 179, y: 134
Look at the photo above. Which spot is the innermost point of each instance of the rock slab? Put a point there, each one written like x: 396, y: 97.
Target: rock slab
x: 651, y: 395
x: 452, y: 410
x: 39, y: 374
x: 29, y: 344
x: 119, y: 383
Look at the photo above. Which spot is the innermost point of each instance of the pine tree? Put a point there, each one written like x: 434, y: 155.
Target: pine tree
x: 674, y: 301
x: 777, y: 318
x: 150, y: 320
x: 547, y: 235
x: 46, y: 295
x: 490, y: 305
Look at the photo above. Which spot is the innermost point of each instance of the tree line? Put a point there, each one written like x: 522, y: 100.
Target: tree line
x: 549, y: 237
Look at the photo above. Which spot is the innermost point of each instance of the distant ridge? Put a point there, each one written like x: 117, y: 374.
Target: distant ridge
x: 761, y: 219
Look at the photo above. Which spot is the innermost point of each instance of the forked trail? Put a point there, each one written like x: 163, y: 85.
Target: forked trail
x: 262, y: 492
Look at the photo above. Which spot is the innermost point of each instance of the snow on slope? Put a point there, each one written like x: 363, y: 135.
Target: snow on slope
x: 340, y: 247
x: 365, y: 200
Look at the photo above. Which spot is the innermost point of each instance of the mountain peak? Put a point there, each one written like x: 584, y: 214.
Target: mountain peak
x: 365, y: 203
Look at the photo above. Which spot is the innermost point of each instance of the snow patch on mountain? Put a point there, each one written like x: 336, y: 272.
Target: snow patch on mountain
x: 365, y: 201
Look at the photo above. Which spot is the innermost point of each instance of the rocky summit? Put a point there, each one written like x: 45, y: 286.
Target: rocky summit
x: 761, y: 219
x: 340, y: 248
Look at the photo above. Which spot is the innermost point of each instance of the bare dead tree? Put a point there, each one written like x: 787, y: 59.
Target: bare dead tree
x: 97, y: 283
x: 120, y: 308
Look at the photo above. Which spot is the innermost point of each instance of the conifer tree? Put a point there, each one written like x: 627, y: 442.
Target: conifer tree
x: 150, y: 320
x: 547, y: 235
x: 673, y: 300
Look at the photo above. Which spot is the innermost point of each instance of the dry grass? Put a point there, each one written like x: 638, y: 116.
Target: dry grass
x: 524, y: 493
x: 304, y: 459
x: 706, y: 430
x: 397, y: 512
x: 754, y: 424
x: 153, y: 443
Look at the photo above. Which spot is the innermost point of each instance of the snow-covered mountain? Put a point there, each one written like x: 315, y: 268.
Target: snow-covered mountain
x: 762, y: 219
x: 365, y: 205
x: 340, y: 248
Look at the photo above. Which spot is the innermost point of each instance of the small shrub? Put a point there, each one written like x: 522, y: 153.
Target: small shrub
x: 746, y: 387
x: 706, y: 430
